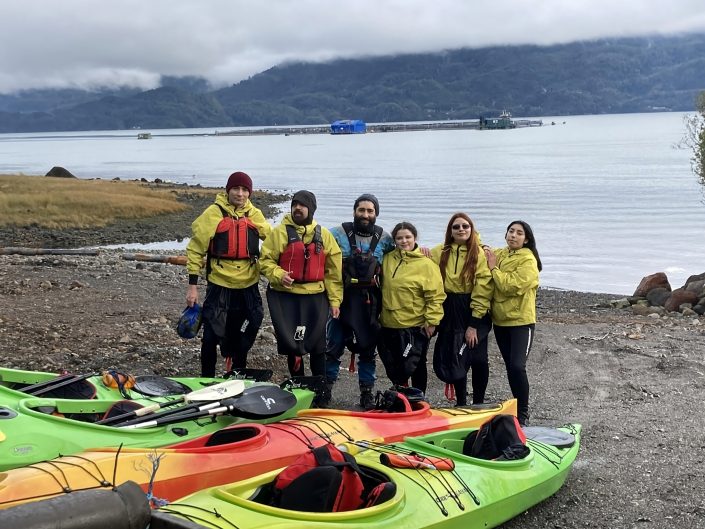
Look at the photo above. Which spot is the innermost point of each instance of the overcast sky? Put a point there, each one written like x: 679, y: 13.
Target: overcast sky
x: 87, y: 44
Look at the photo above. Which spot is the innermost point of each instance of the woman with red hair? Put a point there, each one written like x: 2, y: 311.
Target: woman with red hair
x: 462, y: 334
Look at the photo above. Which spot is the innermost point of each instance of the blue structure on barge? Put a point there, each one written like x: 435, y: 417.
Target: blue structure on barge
x: 348, y: 126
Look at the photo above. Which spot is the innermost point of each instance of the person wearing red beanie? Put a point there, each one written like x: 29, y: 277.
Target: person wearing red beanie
x: 232, y: 309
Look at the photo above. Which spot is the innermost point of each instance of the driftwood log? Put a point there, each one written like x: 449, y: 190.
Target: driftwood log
x: 152, y: 258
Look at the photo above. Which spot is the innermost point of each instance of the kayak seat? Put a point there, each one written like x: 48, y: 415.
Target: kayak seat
x: 454, y: 445
x: 232, y: 435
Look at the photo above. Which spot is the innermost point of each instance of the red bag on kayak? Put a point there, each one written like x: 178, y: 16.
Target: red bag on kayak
x: 322, y: 480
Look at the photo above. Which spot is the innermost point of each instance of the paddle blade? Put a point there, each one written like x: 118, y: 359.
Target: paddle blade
x: 223, y: 390
x: 156, y: 386
x: 261, y: 402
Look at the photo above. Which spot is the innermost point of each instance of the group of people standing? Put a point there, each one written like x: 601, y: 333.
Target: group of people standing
x: 358, y: 287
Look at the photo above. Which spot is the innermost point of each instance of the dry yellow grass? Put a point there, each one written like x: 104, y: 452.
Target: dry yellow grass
x: 73, y: 203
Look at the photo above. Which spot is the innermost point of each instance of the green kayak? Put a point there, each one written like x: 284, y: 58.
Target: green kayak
x: 35, y: 428
x: 435, y: 485
x: 18, y: 384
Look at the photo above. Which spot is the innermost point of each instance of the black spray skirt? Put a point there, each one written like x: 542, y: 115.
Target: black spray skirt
x: 452, y: 357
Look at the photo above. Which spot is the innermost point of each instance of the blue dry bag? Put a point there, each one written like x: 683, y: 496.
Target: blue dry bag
x: 189, y: 322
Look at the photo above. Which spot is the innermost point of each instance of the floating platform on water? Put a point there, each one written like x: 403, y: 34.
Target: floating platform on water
x: 474, y: 124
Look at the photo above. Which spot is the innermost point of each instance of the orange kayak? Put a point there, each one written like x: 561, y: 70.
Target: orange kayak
x: 237, y: 452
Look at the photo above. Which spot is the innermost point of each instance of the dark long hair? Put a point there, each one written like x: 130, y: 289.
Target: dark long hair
x: 467, y: 274
x: 530, y: 241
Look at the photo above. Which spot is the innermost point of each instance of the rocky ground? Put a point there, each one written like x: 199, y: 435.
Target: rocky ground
x: 636, y: 383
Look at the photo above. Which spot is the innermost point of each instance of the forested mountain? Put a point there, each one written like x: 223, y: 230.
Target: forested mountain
x: 595, y: 77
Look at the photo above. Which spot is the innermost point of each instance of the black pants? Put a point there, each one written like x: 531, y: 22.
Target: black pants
x: 231, y: 319
x: 403, y: 353
x: 452, y: 358
x: 515, y: 343
x: 299, y: 322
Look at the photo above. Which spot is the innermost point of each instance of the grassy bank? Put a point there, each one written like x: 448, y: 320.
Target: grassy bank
x: 47, y: 212
x: 72, y: 203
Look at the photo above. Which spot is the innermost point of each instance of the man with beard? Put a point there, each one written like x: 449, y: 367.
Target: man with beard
x: 303, y: 264
x: 363, y: 244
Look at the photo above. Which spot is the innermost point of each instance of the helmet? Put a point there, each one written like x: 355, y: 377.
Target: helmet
x: 190, y: 322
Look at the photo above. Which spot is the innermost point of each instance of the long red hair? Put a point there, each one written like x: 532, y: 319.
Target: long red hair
x: 467, y: 274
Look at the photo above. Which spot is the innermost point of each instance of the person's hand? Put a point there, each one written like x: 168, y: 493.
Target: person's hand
x: 430, y: 329
x: 491, y: 258
x: 425, y: 250
x: 191, y: 295
x: 287, y: 280
x: 471, y: 337
x: 335, y: 312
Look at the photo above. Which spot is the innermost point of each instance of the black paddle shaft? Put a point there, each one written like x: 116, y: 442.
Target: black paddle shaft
x: 59, y: 382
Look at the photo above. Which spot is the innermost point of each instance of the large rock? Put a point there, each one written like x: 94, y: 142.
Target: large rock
x: 60, y: 172
x: 658, y: 296
x: 678, y: 297
x: 696, y: 286
x: 648, y: 283
x: 696, y: 277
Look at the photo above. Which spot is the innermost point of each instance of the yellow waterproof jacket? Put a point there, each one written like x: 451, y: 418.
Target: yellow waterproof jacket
x: 481, y: 291
x: 240, y: 273
x: 516, y: 280
x: 276, y: 244
x: 412, y: 290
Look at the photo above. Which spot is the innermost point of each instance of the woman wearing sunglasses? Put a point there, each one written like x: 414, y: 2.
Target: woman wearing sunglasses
x: 515, y: 271
x: 462, y: 334
x: 412, y: 307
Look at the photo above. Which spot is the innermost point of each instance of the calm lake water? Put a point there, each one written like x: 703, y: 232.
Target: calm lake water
x: 609, y: 198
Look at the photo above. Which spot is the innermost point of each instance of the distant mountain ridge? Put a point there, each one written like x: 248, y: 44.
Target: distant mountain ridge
x: 592, y: 77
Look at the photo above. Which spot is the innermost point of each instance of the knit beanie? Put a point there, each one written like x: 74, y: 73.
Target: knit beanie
x: 367, y: 197
x: 305, y: 198
x: 239, y: 179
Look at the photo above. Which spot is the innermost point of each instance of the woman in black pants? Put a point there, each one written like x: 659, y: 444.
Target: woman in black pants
x: 515, y: 271
x: 462, y: 334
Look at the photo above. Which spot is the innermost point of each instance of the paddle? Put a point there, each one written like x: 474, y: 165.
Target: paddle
x: 59, y: 382
x: 216, y: 392
x: 256, y: 402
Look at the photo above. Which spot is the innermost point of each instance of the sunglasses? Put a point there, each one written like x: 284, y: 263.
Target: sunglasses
x: 460, y: 226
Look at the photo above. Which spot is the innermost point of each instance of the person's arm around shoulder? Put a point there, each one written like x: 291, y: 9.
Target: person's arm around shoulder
x: 333, y: 280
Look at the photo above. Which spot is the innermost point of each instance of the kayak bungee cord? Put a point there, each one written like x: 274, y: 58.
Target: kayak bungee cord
x: 101, y: 481
x: 416, y: 453
x: 193, y: 517
x: 546, y: 450
x: 437, y: 499
x: 310, y: 422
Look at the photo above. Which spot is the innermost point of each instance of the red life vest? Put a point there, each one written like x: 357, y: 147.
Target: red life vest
x: 305, y: 262
x: 234, y: 238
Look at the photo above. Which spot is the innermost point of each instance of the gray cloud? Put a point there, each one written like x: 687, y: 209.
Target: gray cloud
x: 82, y: 43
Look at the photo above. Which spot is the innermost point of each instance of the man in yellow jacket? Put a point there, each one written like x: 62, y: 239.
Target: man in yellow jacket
x: 303, y: 264
x: 227, y: 235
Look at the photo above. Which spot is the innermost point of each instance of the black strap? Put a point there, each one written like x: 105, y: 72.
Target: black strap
x: 349, y: 229
x: 293, y: 236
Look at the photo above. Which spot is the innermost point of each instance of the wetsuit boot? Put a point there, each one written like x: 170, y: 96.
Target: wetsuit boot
x: 323, y: 400
x: 367, y: 399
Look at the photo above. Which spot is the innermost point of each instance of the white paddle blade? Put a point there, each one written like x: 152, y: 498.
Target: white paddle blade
x: 224, y: 390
